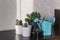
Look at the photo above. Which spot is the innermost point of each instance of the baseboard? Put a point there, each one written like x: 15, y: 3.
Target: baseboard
x: 6, y: 29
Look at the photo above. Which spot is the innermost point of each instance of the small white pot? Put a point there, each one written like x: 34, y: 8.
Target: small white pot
x: 26, y: 31
x: 18, y: 29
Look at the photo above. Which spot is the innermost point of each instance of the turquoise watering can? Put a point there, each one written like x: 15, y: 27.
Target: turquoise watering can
x: 46, y: 26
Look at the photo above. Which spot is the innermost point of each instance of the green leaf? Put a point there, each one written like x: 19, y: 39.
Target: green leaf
x: 28, y: 15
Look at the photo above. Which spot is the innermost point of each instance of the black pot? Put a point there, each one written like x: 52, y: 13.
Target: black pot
x: 33, y: 28
x: 36, y: 34
x: 33, y: 36
x: 39, y: 35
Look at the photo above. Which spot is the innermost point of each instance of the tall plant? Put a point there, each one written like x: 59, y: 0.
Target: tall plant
x: 32, y: 16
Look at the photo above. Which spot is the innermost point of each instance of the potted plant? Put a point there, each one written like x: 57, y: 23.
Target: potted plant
x: 18, y: 26
x: 26, y: 30
x: 30, y: 20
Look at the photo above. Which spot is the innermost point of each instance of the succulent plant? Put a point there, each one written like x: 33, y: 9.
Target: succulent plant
x: 25, y: 25
x: 17, y: 22
x: 21, y: 22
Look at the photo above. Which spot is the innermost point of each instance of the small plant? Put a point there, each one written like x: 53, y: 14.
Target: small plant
x: 25, y: 25
x: 21, y: 22
x: 17, y: 22
x: 32, y: 16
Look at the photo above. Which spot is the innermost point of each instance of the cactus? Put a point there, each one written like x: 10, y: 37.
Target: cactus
x: 25, y: 25
x: 20, y: 22
x: 17, y: 22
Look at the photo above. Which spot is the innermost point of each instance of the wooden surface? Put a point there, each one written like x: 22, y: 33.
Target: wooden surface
x: 10, y: 35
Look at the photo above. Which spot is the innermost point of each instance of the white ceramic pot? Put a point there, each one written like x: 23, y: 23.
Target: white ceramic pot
x: 26, y: 31
x: 18, y: 29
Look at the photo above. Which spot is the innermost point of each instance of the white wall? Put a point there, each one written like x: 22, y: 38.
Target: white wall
x: 18, y: 9
x: 7, y: 14
x: 26, y: 7
x: 8, y: 10
x: 57, y: 4
x: 45, y: 7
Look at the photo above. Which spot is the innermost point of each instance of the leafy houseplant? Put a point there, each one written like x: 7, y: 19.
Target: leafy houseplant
x: 30, y: 17
x: 18, y: 26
